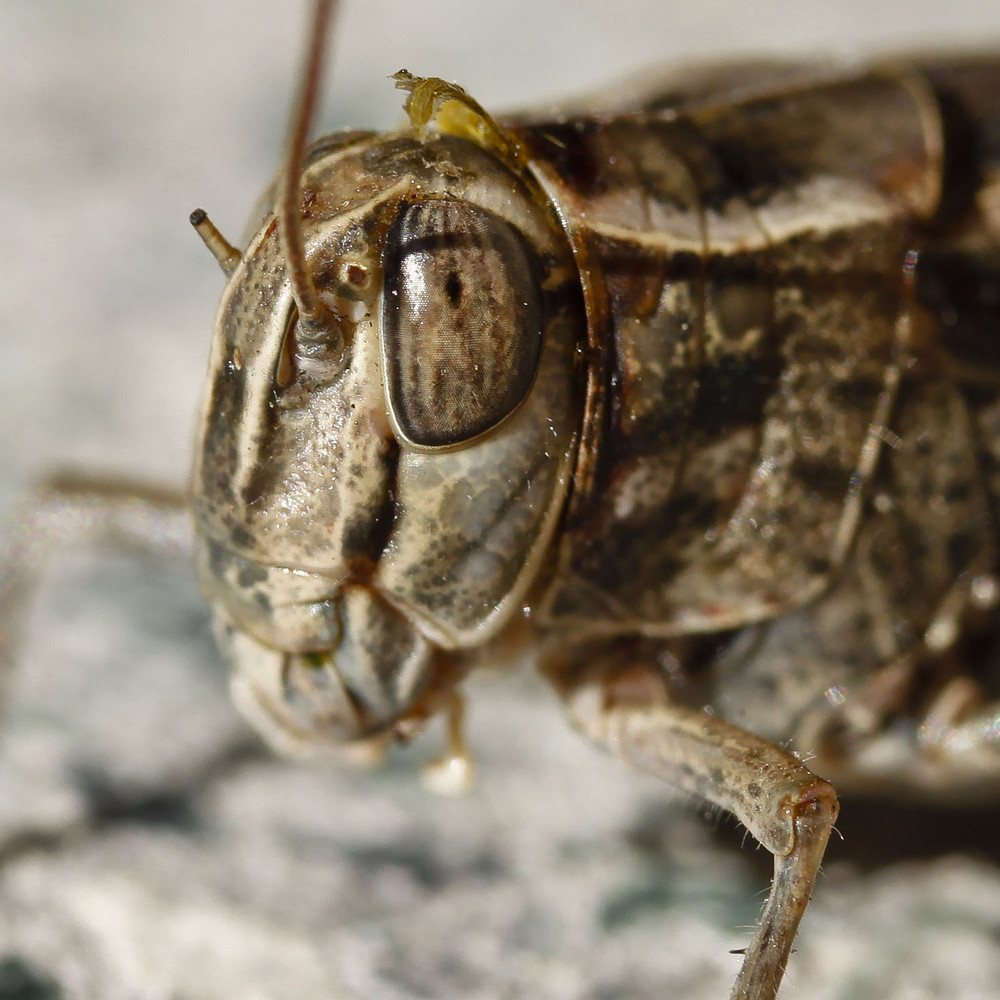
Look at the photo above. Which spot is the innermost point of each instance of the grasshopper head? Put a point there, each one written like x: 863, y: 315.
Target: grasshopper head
x: 379, y: 475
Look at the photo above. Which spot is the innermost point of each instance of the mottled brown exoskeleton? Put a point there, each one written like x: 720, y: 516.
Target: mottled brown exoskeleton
x: 693, y: 397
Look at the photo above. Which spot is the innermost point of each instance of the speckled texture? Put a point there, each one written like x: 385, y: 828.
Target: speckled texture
x: 150, y: 847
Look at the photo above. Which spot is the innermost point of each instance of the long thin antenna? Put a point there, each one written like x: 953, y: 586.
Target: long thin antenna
x: 314, y: 317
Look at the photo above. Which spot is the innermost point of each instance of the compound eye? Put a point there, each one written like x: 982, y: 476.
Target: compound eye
x: 461, y: 320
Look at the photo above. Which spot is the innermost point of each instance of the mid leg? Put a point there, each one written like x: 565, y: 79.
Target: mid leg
x: 946, y: 751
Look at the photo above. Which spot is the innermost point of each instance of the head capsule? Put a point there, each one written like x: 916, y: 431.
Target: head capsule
x: 375, y: 493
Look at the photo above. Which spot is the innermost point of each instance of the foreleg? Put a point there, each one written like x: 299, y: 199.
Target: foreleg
x: 71, y: 511
x: 783, y: 804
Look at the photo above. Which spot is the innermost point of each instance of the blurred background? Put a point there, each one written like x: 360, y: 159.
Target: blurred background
x: 148, y: 847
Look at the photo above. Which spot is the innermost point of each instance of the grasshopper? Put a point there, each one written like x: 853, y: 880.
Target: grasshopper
x: 685, y: 397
